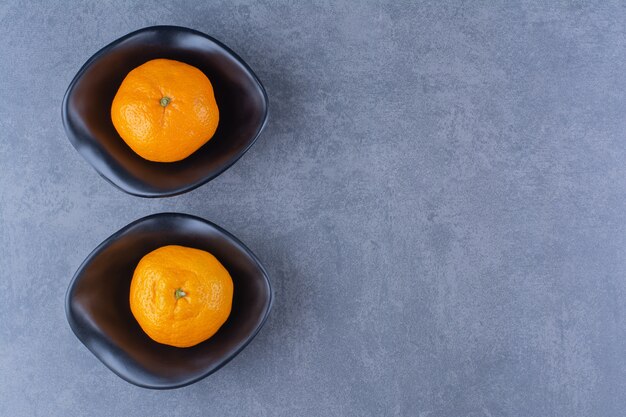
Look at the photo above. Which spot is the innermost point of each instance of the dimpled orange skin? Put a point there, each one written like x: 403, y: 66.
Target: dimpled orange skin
x: 180, y: 296
x: 165, y: 110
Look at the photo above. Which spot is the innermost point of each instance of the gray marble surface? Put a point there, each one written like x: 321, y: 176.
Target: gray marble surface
x: 439, y: 198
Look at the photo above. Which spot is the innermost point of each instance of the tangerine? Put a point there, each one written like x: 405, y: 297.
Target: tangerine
x: 165, y: 110
x: 180, y: 296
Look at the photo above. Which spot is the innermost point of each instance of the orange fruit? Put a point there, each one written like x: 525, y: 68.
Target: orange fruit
x: 180, y: 296
x: 165, y: 110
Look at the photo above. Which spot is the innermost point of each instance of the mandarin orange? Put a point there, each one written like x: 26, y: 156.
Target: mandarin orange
x: 180, y: 296
x: 165, y: 110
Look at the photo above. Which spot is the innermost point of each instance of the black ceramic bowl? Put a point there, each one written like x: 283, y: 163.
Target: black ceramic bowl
x: 98, y: 310
x: 87, y: 110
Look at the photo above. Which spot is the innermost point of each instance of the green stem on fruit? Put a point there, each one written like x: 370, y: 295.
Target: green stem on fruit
x: 179, y: 293
x: 165, y: 101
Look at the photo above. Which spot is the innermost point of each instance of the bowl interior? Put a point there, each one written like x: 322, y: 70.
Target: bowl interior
x: 99, y: 312
x: 87, y: 110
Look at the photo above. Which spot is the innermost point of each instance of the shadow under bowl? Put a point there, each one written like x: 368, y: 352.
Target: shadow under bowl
x: 241, y: 99
x: 98, y: 310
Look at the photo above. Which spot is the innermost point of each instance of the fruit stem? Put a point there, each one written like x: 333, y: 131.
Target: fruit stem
x: 165, y: 101
x: 179, y: 293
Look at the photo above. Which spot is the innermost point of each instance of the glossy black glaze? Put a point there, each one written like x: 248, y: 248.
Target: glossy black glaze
x: 87, y: 110
x: 98, y: 310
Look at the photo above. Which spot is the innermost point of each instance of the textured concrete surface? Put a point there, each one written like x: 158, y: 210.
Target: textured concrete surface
x: 439, y: 197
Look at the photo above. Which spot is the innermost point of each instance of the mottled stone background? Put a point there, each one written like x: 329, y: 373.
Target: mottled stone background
x: 439, y: 198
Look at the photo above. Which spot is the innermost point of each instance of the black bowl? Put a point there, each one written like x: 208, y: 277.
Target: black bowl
x: 98, y: 310
x: 87, y: 110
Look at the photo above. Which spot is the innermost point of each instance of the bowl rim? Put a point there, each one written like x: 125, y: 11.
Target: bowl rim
x: 105, y: 243
x: 75, y: 141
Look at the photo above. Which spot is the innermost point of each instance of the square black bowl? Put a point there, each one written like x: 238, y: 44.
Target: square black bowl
x: 98, y: 309
x: 241, y: 99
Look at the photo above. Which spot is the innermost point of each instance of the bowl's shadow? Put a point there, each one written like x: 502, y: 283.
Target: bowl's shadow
x: 282, y: 267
